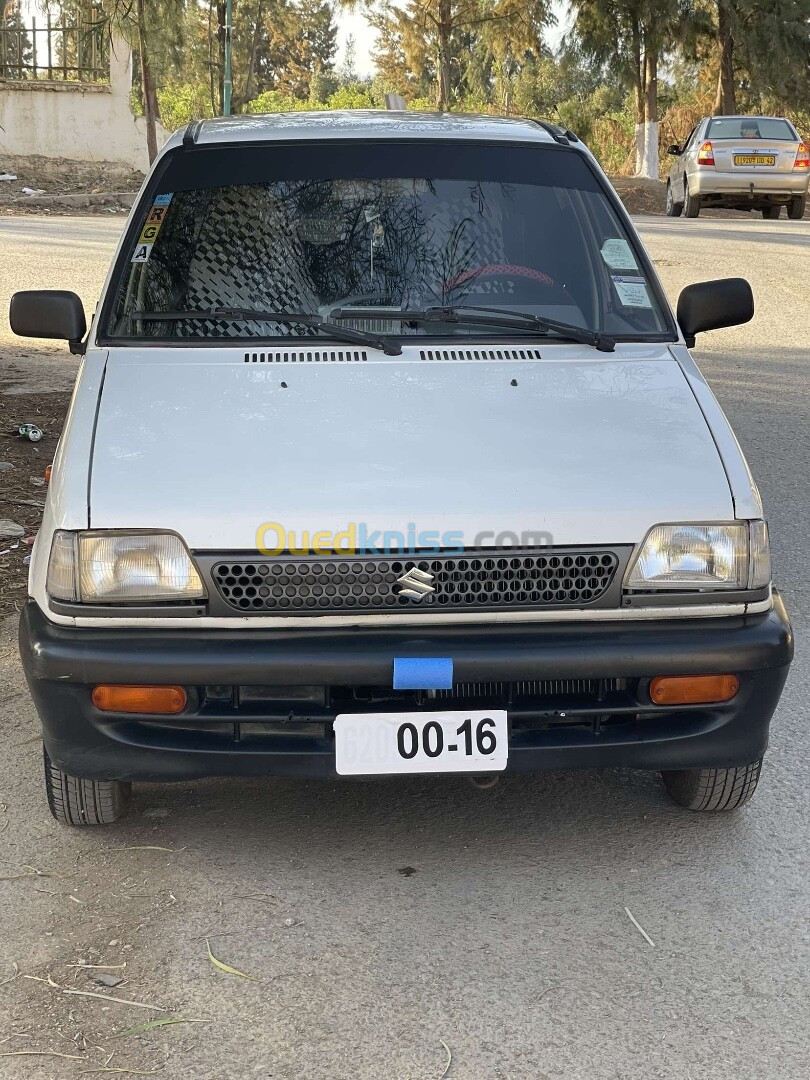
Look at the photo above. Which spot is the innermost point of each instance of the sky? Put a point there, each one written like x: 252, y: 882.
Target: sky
x: 354, y: 24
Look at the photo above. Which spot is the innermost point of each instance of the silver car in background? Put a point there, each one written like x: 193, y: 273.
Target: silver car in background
x: 740, y: 163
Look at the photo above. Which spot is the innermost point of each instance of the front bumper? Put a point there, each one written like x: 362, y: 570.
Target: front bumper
x: 268, y: 735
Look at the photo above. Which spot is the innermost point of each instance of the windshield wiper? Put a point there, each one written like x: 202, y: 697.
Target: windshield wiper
x: 341, y: 333
x: 475, y: 315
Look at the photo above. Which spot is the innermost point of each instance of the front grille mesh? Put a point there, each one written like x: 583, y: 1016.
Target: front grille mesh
x: 476, y: 581
x: 532, y: 688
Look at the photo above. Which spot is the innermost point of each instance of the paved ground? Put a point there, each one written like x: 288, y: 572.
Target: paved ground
x: 508, y: 945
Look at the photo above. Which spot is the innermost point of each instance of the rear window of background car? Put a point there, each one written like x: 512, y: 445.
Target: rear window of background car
x: 737, y: 127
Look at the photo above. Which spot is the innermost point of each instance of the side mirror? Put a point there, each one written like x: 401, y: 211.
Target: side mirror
x: 48, y: 313
x: 711, y: 305
x: 674, y: 150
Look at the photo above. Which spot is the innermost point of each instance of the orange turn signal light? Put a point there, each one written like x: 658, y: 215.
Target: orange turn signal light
x: 693, y: 689
x: 140, y: 699
x: 47, y: 473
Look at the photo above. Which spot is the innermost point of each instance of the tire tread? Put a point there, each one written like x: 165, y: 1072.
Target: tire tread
x: 713, y: 789
x: 75, y: 801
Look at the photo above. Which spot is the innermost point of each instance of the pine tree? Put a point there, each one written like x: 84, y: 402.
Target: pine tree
x: 763, y: 47
x: 15, y: 45
x: 629, y: 39
x: 311, y: 46
x: 431, y: 40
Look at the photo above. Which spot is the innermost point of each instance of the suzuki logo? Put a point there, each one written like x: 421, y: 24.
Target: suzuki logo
x: 415, y: 584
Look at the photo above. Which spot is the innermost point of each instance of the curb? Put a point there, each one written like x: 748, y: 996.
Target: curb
x: 117, y: 198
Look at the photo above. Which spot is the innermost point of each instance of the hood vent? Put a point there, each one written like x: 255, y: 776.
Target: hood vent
x: 315, y: 356
x: 480, y: 354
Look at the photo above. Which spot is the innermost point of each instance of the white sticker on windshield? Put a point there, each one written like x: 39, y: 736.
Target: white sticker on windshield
x: 617, y: 254
x: 142, y: 253
x: 632, y: 291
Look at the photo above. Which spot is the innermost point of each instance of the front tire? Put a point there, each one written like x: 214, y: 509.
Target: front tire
x: 691, y: 204
x: 796, y: 207
x: 75, y: 801
x: 771, y: 213
x: 673, y: 208
x: 713, y: 789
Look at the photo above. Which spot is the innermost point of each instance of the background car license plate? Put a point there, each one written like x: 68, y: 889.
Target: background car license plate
x: 368, y: 744
x: 754, y: 159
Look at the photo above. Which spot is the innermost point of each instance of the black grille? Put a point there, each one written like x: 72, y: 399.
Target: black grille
x: 480, y: 354
x: 532, y: 688
x: 317, y: 356
x: 472, y: 582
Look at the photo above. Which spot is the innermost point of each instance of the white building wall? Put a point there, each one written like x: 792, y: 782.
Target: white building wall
x: 82, y: 121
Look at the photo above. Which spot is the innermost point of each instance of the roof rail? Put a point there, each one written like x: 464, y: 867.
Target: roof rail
x: 562, y: 135
x: 191, y: 133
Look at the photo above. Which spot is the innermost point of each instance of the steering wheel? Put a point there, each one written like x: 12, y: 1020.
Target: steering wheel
x: 498, y: 270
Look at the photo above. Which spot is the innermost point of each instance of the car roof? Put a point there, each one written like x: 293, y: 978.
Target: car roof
x: 368, y: 124
x: 748, y: 116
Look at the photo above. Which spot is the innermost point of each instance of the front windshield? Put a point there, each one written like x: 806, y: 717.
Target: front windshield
x: 312, y: 228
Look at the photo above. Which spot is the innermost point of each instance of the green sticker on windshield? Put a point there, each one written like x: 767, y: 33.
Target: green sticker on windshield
x: 617, y: 254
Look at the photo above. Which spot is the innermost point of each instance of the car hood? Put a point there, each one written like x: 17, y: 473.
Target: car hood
x: 584, y: 447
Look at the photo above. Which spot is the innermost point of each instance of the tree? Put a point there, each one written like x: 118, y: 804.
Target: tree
x: 431, y: 40
x: 152, y: 29
x: 725, y: 101
x: 762, y: 46
x: 311, y: 46
x: 628, y: 39
x: 15, y: 45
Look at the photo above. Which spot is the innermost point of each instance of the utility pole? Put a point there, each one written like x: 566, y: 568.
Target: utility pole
x: 227, y: 85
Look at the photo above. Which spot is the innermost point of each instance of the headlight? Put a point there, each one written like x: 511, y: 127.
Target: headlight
x: 703, y: 557
x: 108, y: 568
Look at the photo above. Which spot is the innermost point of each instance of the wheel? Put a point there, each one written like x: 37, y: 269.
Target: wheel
x: 691, y: 203
x: 74, y: 801
x: 771, y: 213
x: 796, y: 207
x: 673, y: 208
x: 713, y: 789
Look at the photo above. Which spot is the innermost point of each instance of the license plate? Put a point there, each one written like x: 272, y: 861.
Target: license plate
x: 372, y: 744
x: 754, y: 159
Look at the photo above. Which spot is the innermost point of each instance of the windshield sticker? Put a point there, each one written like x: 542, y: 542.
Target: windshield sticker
x: 151, y: 228
x: 632, y: 291
x: 617, y: 254
x: 142, y: 253
x: 156, y: 215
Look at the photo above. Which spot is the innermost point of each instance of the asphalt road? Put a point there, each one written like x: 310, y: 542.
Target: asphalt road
x: 389, y: 925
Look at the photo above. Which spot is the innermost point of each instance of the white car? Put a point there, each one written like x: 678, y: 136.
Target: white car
x: 387, y: 455
x: 740, y: 163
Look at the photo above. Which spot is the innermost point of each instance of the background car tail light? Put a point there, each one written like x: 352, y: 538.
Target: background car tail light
x: 693, y: 689
x: 706, y: 154
x: 802, y: 157
x: 140, y: 699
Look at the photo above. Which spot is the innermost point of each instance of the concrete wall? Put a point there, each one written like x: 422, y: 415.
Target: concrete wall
x: 83, y: 121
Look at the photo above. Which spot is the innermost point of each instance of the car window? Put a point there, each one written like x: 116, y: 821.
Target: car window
x: 307, y: 228
x: 750, y: 127
x: 690, y: 137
